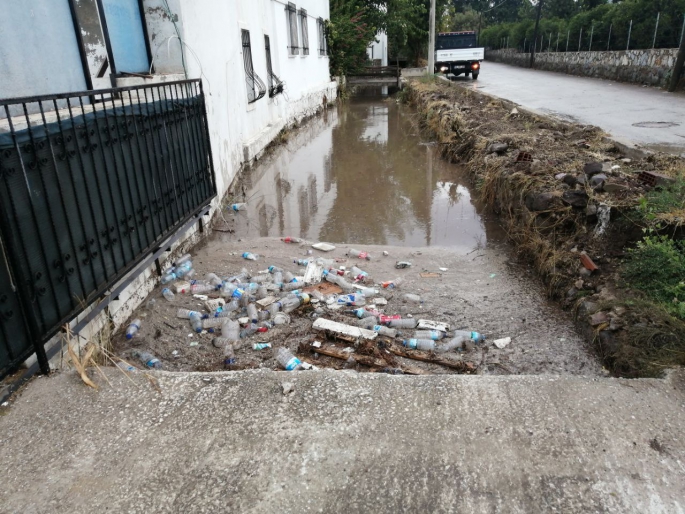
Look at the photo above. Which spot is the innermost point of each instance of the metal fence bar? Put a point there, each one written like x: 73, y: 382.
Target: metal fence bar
x: 630, y: 30
x: 656, y: 29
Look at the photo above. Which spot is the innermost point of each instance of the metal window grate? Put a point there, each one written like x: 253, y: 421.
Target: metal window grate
x: 305, y: 32
x: 255, y: 87
x: 291, y: 12
x: 275, y: 84
x: 322, y: 36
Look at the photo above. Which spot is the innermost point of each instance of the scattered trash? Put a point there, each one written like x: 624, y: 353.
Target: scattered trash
x: 286, y: 359
x: 379, y: 301
x: 148, y: 360
x: 340, y: 329
x: 182, y: 287
x: 413, y: 298
x: 419, y: 344
x: 316, y: 344
x: 238, y: 207
x: 193, y: 343
x: 133, y: 329
x: 402, y: 264
x: 324, y: 247
x: 261, y: 346
x: 426, y: 324
x: 314, y: 273
x: 493, y: 275
x: 443, y: 269
x: 287, y: 387
x: 168, y: 294
x: 430, y: 275
x: 587, y: 262
x: 293, y: 240
x: 359, y: 254
x: 385, y: 253
x: 250, y: 256
x: 524, y: 157
x: 501, y: 343
x: 392, y: 284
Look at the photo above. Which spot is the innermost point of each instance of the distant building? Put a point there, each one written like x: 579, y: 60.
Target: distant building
x: 377, y: 51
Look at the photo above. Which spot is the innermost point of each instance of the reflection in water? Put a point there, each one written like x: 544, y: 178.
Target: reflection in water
x: 361, y: 174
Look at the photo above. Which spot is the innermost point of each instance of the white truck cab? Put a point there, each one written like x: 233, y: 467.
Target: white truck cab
x: 457, y: 53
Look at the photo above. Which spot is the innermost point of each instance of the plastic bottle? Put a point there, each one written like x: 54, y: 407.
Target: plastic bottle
x: 291, y: 240
x: 240, y: 277
x: 363, y: 313
x: 292, y: 286
x: 250, y: 256
x: 230, y: 290
x: 183, y: 258
x: 168, y: 277
x: 368, y: 322
x: 196, y: 321
x: 262, y: 292
x: 334, y: 271
x: 318, y: 295
x: 230, y: 330
x: 278, y: 278
x: 126, y: 367
x: 264, y: 315
x: 301, y: 262
x: 274, y: 269
x: 247, y: 332
x: 354, y: 299
x: 402, y: 264
x: 358, y: 274
x: 359, y: 254
x: 168, y: 294
x: 402, y: 323
x: 213, y: 279
x: 367, y: 291
x: 202, y: 288
x: 252, y: 313
x: 392, y: 284
x: 185, y: 313
x: 434, y: 335
x: 427, y: 345
x: 456, y: 343
x: 292, y: 302
x: 261, y: 346
x: 190, y: 274
x: 476, y: 337
x: 335, y: 279
x: 210, y: 324
x: 286, y: 359
x: 385, y: 331
x: 260, y: 279
x: 288, y: 277
x: 237, y: 207
x: 229, y: 355
x: 148, y: 360
x: 133, y: 329
x: 274, y: 308
x: 325, y: 263
x: 413, y: 298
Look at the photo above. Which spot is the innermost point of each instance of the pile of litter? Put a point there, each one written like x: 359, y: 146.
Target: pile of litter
x: 342, y: 311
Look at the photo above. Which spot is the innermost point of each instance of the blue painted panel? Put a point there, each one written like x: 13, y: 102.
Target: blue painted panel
x: 125, y: 27
x: 38, y: 49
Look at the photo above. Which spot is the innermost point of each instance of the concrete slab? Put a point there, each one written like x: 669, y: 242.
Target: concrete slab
x: 650, y: 117
x: 344, y: 442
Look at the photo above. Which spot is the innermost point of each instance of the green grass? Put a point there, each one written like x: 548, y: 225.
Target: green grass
x: 661, y: 201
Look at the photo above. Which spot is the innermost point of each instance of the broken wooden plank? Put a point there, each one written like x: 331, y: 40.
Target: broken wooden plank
x: 464, y: 367
x: 338, y: 353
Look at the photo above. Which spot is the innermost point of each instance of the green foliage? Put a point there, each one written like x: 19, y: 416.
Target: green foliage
x: 663, y: 200
x: 349, y: 32
x: 656, y: 266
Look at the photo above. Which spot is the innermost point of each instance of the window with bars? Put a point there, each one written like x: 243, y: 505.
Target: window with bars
x: 322, y: 36
x: 255, y: 87
x: 275, y: 84
x: 291, y: 12
x: 305, y: 32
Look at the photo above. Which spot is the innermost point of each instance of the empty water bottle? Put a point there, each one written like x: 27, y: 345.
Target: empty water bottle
x: 231, y: 330
x: 286, y: 359
x: 292, y: 302
x: 168, y: 277
x: 367, y: 291
x: 364, y: 313
x: 247, y: 332
x: 340, y: 281
x: 183, y: 258
x: 359, y: 254
x: 301, y: 262
x: 426, y: 345
x: 133, y: 329
x: 278, y: 278
x: 288, y: 277
x: 456, y: 343
x: 476, y: 337
x: 392, y: 284
x: 252, y: 313
x: 354, y: 299
x: 402, y: 323
x: 185, y: 313
x: 250, y: 256
x: 168, y: 294
x: 202, y: 288
x: 196, y: 321
x: 210, y: 324
x: 262, y: 292
x: 434, y: 335
x: 385, y: 331
x: 229, y: 355
x: 148, y: 360
x: 126, y: 367
x: 238, y: 207
x: 261, y: 346
x: 358, y: 274
x: 274, y: 269
x: 292, y: 286
x: 190, y: 274
x: 368, y: 322
x: 413, y: 298
x: 274, y: 308
x: 213, y: 279
x: 291, y: 240
x: 260, y: 279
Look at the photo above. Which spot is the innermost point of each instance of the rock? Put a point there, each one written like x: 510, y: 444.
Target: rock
x: 581, y: 179
x: 619, y: 310
x: 570, y: 180
x: 599, y: 318
x: 598, y: 180
x: 615, y: 188
x: 541, y: 201
x: 591, y: 210
x: 592, y: 168
x: 585, y: 272
x: 587, y: 308
x: 288, y: 387
x: 560, y: 176
x: 579, y: 283
x: 498, y: 148
x: 607, y: 167
x: 578, y: 199
x: 514, y: 111
x: 571, y: 293
x: 626, y: 161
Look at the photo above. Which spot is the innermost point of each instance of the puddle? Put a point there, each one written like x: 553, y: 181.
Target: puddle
x: 361, y: 173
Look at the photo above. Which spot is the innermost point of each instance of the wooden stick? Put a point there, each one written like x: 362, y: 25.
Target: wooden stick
x: 366, y: 360
x: 464, y: 367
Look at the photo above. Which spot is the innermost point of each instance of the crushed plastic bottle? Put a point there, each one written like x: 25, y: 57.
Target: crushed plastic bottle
x: 288, y: 277
x: 456, y: 343
x: 185, y: 313
x: 229, y: 355
x: 168, y: 294
x: 168, y: 277
x: 402, y: 264
x: 340, y: 281
x: 413, y: 298
x: 286, y: 359
x: 385, y: 318
x: 250, y: 330
x: 427, y: 345
x: 202, y: 288
x: 351, y: 300
x: 402, y: 323
x: 230, y: 330
x: 214, y: 279
x: 392, y: 284
x: 367, y: 291
x: 359, y: 254
x: 281, y: 318
x: 292, y: 302
x: 210, y: 324
x: 261, y: 346
x: 358, y: 275
x: 274, y: 269
x: 250, y: 256
x: 235, y: 207
x: 183, y: 258
x: 196, y: 321
x: 262, y: 292
x: 476, y: 337
x: 434, y: 335
x: 301, y: 262
x: 385, y: 331
x: 133, y: 329
x: 148, y: 360
x: 252, y: 313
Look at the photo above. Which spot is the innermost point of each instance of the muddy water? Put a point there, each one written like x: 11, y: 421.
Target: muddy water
x: 362, y: 173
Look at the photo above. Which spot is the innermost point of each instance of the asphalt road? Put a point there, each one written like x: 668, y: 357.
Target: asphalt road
x: 646, y: 116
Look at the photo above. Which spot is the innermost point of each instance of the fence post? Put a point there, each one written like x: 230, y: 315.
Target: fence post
x: 630, y: 30
x: 524, y: 44
x: 678, y: 68
x: 592, y: 32
x: 558, y: 34
x: 535, y: 37
x: 609, y: 40
x: 682, y: 31
x: 568, y: 36
x: 658, y: 15
x: 580, y: 38
x: 549, y: 45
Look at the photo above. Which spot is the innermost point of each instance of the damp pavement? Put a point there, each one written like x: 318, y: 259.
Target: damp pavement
x: 343, y: 442
x: 650, y: 117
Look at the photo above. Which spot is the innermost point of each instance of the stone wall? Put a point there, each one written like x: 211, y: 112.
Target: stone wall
x: 650, y: 67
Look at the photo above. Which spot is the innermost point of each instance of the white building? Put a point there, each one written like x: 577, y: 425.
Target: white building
x: 378, y: 50
x: 263, y: 65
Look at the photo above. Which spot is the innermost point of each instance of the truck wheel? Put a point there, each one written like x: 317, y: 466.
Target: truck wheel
x: 466, y: 74
x: 475, y: 75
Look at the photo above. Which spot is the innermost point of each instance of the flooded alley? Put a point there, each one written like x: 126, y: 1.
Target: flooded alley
x: 362, y: 173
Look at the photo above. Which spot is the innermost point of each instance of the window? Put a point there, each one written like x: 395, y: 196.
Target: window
x: 275, y: 84
x: 322, y: 36
x: 291, y: 12
x: 255, y: 87
x: 305, y: 32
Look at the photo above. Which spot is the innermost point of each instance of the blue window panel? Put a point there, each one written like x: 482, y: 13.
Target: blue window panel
x: 125, y: 27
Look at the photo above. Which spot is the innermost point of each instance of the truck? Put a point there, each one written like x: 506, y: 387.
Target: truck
x: 457, y: 53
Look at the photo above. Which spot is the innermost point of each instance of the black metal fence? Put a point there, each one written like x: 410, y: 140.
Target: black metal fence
x: 91, y: 183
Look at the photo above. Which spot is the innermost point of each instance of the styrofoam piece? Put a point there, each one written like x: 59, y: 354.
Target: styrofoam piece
x: 344, y: 330
x: 324, y: 247
x: 313, y: 273
x: 426, y: 324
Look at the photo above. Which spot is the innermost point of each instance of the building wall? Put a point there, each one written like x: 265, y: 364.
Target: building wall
x: 379, y: 49
x: 650, y: 67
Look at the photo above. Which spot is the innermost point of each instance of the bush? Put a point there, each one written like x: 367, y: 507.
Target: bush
x: 656, y: 266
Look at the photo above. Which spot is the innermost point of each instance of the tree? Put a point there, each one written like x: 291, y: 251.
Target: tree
x: 352, y: 27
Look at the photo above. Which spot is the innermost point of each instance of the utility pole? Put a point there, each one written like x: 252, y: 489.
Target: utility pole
x: 431, y: 40
x: 535, y: 35
x: 678, y: 68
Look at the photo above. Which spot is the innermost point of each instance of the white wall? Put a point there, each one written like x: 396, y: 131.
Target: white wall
x: 379, y: 49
